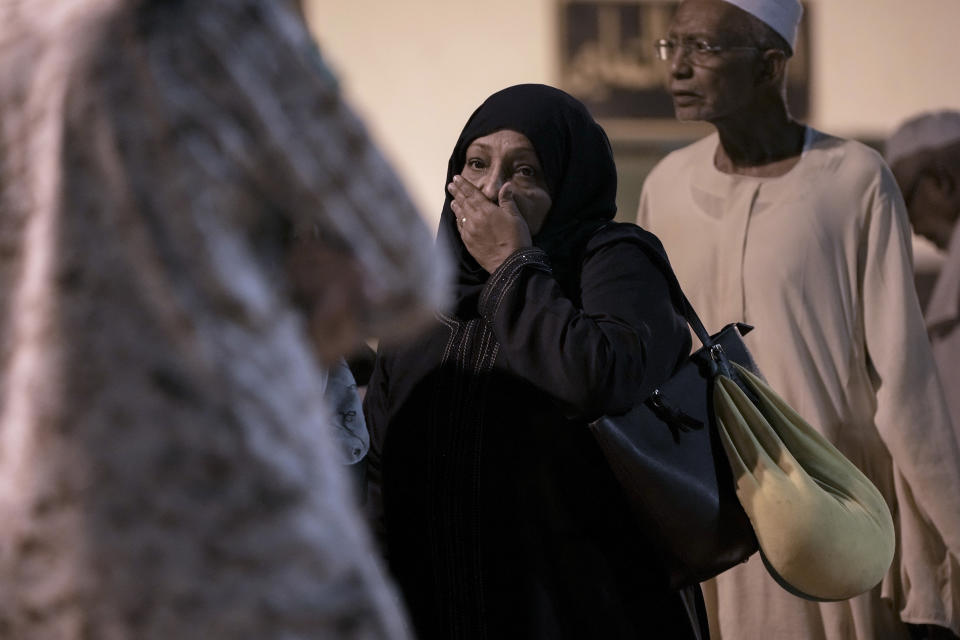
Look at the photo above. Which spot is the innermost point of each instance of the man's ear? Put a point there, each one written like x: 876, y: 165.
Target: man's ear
x: 773, y: 66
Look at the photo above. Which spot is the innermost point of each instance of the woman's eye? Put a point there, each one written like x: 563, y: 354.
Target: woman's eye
x: 475, y: 163
x: 526, y: 171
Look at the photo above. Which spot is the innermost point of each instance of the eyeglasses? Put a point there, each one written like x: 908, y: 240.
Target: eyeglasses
x: 698, y: 51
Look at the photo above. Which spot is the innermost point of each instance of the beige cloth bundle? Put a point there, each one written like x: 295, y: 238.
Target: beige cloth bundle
x: 825, y: 531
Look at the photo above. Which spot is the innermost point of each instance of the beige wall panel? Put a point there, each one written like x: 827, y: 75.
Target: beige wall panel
x: 416, y: 69
x: 876, y: 62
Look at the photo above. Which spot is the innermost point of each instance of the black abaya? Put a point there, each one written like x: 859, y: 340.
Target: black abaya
x: 496, y: 508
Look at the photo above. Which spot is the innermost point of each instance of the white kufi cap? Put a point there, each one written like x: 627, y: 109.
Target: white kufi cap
x: 783, y: 16
x: 926, y: 131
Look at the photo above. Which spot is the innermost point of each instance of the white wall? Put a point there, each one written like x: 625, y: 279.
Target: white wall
x: 876, y: 62
x: 416, y: 69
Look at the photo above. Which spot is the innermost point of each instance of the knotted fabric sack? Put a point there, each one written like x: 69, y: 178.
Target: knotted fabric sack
x: 825, y: 532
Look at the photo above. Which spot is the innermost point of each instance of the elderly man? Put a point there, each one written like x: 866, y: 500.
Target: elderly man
x: 805, y: 235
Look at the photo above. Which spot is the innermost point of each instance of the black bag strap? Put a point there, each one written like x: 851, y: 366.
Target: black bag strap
x: 716, y: 357
x: 654, y: 249
x: 658, y: 256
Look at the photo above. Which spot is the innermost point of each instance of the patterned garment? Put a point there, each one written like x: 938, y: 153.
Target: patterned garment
x: 166, y: 469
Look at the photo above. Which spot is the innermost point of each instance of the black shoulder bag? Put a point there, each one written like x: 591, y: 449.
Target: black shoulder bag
x: 669, y: 460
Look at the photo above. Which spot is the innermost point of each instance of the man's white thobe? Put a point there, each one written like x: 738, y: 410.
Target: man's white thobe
x: 819, y: 261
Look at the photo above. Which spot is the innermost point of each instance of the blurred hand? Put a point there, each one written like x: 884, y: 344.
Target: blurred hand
x: 329, y: 286
x: 491, y: 231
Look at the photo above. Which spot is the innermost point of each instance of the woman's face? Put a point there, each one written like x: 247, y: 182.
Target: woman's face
x: 508, y: 157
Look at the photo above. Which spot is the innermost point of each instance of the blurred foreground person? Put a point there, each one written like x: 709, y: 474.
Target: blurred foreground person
x: 500, y: 516
x: 166, y: 466
x: 805, y: 235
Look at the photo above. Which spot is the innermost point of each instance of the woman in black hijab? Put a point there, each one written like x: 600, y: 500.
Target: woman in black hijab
x: 498, y: 513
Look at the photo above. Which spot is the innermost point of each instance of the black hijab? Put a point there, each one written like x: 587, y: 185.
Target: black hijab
x: 578, y: 166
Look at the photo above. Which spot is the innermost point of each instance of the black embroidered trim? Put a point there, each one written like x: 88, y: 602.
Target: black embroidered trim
x: 455, y: 442
x: 506, y: 275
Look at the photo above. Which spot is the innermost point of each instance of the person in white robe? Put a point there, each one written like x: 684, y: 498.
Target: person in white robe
x: 805, y: 236
x: 924, y: 154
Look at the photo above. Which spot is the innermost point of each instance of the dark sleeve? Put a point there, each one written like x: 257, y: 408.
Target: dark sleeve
x: 599, y: 359
x: 375, y: 414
